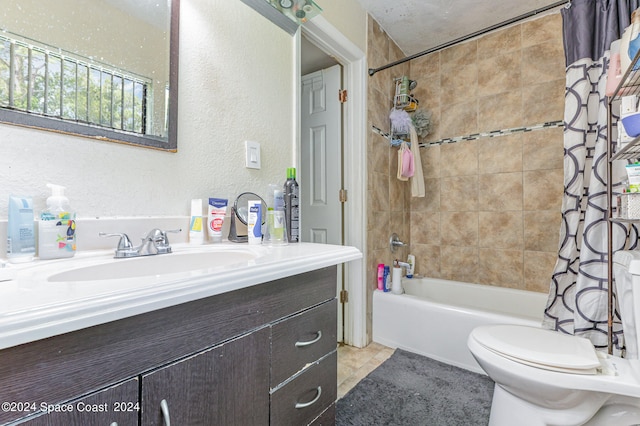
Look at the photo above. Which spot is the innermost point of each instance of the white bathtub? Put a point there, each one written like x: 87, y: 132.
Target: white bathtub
x: 434, y: 317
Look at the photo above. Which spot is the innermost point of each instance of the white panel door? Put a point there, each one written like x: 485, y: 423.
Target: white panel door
x: 321, y: 165
x: 321, y: 150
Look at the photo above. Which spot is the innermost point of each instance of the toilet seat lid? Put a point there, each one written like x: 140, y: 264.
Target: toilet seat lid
x: 540, y: 348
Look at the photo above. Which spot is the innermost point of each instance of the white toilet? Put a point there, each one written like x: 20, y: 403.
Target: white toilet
x: 544, y: 377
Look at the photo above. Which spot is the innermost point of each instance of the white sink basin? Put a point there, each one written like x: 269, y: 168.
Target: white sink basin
x: 154, y: 265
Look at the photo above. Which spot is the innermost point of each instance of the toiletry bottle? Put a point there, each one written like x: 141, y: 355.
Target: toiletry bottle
x: 215, y: 218
x: 196, y: 230
x: 292, y: 206
x: 254, y: 222
x: 396, y: 278
x: 275, y: 233
x: 21, y: 243
x: 411, y: 260
x: 381, y: 276
x: 57, y: 226
x: 387, y: 278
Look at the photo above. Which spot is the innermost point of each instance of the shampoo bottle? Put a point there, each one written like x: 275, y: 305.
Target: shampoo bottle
x: 21, y: 244
x: 57, y: 227
x: 292, y: 206
x: 411, y: 260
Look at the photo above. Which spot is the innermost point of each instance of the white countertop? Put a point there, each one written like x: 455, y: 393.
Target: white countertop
x: 33, y: 308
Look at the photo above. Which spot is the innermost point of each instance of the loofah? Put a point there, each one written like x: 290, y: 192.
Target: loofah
x: 422, y: 122
x: 400, y: 121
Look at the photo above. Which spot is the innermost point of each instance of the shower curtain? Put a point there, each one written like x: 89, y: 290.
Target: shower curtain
x: 578, y: 301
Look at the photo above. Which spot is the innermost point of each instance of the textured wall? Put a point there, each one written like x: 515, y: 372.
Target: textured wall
x: 235, y: 84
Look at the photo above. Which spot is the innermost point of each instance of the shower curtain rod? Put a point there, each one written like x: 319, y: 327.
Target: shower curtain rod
x: 566, y: 3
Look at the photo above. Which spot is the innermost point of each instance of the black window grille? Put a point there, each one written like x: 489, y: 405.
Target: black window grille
x: 43, y: 80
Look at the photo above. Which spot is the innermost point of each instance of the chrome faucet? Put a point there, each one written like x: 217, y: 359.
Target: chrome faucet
x: 155, y: 242
x: 394, y: 243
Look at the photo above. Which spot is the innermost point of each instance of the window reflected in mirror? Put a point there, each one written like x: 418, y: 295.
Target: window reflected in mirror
x: 100, y: 68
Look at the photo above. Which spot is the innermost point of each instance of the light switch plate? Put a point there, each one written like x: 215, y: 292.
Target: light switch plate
x: 252, y: 154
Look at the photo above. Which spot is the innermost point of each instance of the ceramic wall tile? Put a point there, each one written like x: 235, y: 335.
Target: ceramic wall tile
x: 499, y: 42
x: 542, y: 63
x: 459, y: 159
x: 542, y: 230
x: 499, y: 74
x: 501, y: 230
x: 459, y: 228
x: 538, y: 269
x: 543, y: 149
x: 425, y: 227
x: 502, y: 111
x: 545, y: 28
x: 459, y: 55
x: 459, y: 84
x: 459, y: 119
x: 543, y: 102
x: 459, y: 263
x: 503, y: 268
x: 459, y: 193
x: 543, y: 189
x: 500, y: 192
x: 500, y: 154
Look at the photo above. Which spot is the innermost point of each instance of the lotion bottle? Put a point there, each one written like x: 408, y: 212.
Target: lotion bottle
x: 57, y: 226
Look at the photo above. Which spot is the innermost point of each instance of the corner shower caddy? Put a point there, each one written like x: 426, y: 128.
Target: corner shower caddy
x: 630, y: 85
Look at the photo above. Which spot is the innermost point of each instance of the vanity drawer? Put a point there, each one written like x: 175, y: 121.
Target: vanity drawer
x: 312, y: 393
x: 302, y: 339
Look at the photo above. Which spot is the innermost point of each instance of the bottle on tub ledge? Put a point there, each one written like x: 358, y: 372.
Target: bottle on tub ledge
x: 292, y: 206
x: 411, y: 260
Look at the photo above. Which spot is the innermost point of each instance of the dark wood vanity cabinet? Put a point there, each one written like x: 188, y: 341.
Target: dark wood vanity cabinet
x: 225, y: 385
x: 117, y: 405
x: 264, y: 354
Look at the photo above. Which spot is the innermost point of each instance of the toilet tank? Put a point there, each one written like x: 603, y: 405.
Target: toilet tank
x: 626, y: 271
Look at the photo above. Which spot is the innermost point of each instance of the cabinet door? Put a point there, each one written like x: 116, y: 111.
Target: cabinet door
x: 227, y: 385
x: 117, y: 405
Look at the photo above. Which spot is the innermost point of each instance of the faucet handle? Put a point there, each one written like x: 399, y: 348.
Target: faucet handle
x: 123, y: 244
x: 160, y: 239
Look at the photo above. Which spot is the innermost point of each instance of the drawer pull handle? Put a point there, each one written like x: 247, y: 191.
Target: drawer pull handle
x: 313, y: 401
x: 114, y: 424
x: 310, y: 342
x: 165, y: 412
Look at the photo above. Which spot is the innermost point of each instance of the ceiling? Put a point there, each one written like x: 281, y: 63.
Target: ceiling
x: 419, y: 25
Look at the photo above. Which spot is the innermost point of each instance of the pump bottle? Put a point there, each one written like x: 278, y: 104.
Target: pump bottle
x: 57, y: 227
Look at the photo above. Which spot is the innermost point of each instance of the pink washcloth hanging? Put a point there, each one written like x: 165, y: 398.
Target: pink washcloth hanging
x: 401, y: 166
x: 407, y: 161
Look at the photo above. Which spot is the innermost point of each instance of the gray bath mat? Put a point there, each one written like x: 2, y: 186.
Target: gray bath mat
x: 412, y: 390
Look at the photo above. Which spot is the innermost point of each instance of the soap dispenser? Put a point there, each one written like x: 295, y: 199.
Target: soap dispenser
x: 57, y: 227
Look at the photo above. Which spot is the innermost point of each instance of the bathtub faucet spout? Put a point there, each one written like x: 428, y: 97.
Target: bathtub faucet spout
x: 399, y: 264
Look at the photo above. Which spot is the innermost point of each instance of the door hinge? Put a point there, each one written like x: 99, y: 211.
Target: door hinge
x: 342, y: 96
x: 344, y: 296
x: 343, y: 195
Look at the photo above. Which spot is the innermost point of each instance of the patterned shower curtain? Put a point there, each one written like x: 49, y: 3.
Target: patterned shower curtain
x: 578, y: 301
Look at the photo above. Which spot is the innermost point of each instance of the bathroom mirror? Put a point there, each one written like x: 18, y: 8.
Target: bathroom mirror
x: 103, y: 69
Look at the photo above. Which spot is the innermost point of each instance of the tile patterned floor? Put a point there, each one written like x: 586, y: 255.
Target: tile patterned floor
x: 355, y: 363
